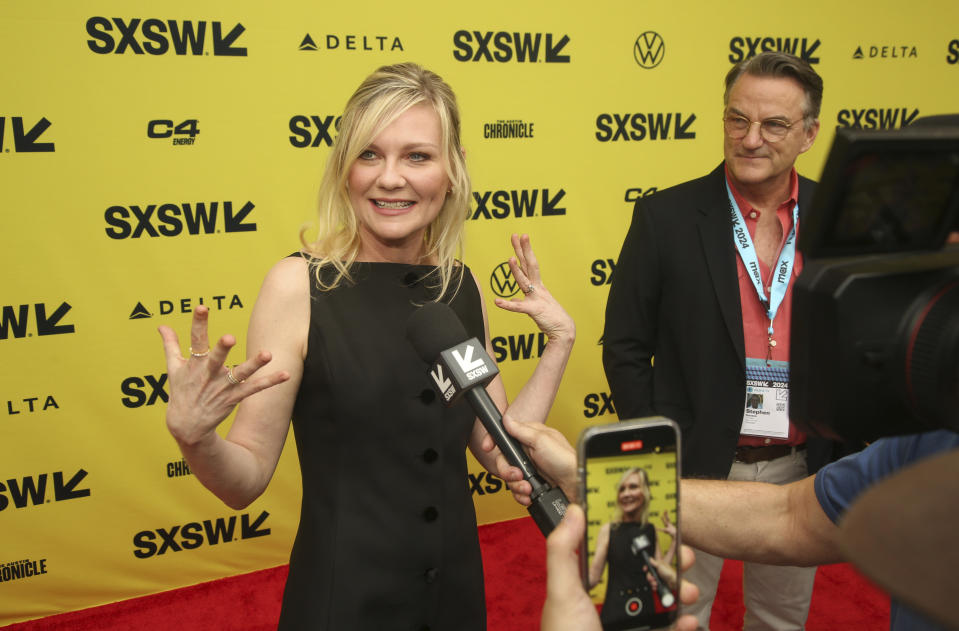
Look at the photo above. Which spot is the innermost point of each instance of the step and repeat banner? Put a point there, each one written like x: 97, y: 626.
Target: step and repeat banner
x: 155, y: 157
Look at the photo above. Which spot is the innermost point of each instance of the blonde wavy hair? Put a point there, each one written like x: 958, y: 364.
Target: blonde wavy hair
x: 644, y: 484
x: 378, y: 101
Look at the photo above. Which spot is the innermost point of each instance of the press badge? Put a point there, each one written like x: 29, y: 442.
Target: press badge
x: 766, y: 411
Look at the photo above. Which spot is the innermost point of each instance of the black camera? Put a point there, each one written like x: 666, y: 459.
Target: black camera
x: 875, y: 325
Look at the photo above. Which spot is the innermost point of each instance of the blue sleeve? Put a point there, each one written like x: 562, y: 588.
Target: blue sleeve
x: 839, y: 484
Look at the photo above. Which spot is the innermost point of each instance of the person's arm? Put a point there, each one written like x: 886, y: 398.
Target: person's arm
x: 758, y: 522
x: 598, y: 564
x: 534, y: 400
x: 238, y: 468
x: 630, y: 330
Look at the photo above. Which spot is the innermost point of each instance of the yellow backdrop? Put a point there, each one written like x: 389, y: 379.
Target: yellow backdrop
x: 158, y: 156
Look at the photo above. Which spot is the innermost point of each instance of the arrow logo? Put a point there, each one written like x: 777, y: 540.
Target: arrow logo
x: 252, y: 529
x: 69, y: 490
x: 223, y: 46
x: 467, y: 363
x: 442, y: 382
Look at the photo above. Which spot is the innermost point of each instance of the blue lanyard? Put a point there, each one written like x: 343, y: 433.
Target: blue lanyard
x: 784, y: 267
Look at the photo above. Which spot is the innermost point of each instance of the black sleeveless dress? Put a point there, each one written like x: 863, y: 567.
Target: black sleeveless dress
x: 629, y: 597
x: 387, y: 535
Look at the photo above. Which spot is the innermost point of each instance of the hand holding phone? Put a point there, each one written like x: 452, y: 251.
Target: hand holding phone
x: 629, y: 474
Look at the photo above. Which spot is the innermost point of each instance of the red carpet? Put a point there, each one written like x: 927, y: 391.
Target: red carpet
x: 514, y: 560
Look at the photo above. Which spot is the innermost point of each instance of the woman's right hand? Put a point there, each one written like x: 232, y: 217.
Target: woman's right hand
x: 203, y: 391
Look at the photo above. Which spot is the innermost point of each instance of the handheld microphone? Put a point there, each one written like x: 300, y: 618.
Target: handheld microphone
x: 460, y: 367
x: 639, y: 546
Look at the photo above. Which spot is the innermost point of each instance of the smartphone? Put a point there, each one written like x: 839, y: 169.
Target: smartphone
x: 629, y: 482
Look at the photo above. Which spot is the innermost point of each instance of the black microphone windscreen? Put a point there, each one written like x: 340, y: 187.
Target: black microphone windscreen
x: 432, y: 329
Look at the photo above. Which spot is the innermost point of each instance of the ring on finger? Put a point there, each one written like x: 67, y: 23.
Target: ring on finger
x: 528, y: 289
x: 232, y: 378
x: 195, y: 354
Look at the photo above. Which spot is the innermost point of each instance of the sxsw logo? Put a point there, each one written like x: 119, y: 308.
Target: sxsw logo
x: 146, y: 390
x: 148, y: 543
x: 742, y: 48
x: 952, y: 52
x: 519, y: 347
x: 311, y: 131
x: 32, y: 490
x: 158, y: 37
x: 15, y: 319
x: 652, y: 126
x: 504, y: 47
x: 876, y: 118
x: 25, y: 141
x: 493, y: 483
x: 649, y: 50
x: 170, y: 220
x: 601, y: 272
x: 518, y: 203
x: 598, y: 404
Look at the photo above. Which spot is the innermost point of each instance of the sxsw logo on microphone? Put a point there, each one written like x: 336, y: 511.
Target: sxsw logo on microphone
x: 158, y: 37
x: 443, y: 383
x: 461, y: 367
x: 25, y: 141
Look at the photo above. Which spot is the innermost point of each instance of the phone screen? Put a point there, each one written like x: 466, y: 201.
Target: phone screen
x: 630, y: 474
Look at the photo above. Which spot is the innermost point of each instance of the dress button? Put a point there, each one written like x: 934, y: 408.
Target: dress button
x: 427, y: 396
x: 430, y: 575
x: 430, y: 456
x: 430, y: 513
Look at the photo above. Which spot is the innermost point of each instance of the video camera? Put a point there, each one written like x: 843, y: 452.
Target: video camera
x: 875, y: 324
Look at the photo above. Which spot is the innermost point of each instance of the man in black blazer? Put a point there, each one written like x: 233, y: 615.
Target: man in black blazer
x: 701, y: 301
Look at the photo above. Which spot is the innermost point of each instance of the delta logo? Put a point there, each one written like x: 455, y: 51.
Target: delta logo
x: 166, y: 306
x: 361, y: 43
x: 153, y: 36
x: 745, y: 47
x: 505, y: 47
x: 24, y: 141
x: 886, y: 51
x: 876, y: 117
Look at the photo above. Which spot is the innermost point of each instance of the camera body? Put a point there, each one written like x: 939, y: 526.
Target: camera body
x: 875, y: 325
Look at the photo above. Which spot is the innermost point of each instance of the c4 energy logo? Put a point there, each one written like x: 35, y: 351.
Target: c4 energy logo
x: 504, y: 47
x: 876, y: 118
x: 745, y: 47
x: 32, y: 490
x: 312, y: 131
x: 886, y: 51
x: 183, y: 133
x: 650, y: 126
x: 170, y: 220
x: 148, y: 543
x: 379, y: 43
x: 522, y: 203
x: 158, y: 37
x: 14, y: 319
x: 633, y: 195
x: 649, y: 49
x: 24, y: 141
x: 501, y: 281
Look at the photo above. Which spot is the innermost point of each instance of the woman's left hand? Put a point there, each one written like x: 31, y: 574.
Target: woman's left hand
x: 536, y: 302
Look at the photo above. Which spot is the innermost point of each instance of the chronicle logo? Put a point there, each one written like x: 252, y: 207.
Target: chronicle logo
x: 519, y: 204
x: 172, y: 219
x: 504, y: 47
x: 508, y: 129
x: 25, y: 141
x: 158, y: 37
x: 185, y: 305
x: 31, y: 405
x: 501, y: 281
x: 876, y: 118
x: 32, y: 490
x: 25, y: 568
x: 886, y: 52
x: 183, y: 133
x: 378, y: 43
x: 148, y: 543
x: 649, y: 49
x: 312, y: 131
x: 517, y: 347
x: 15, y: 318
x: 742, y: 48
x: 652, y: 126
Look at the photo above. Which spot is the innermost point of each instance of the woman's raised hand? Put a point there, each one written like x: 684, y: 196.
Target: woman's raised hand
x: 537, y: 302
x: 203, y: 389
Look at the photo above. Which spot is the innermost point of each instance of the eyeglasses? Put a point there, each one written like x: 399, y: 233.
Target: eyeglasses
x: 771, y: 129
